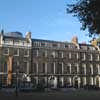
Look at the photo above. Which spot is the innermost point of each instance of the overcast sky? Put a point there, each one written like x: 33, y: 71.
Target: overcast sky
x: 46, y: 19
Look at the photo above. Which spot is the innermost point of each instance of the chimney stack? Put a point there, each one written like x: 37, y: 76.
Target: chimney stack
x: 28, y: 36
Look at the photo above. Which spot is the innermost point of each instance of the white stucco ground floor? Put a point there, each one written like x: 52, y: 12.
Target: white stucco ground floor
x: 67, y: 81
x: 55, y: 81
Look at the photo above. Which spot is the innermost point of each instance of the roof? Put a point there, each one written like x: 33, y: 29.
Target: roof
x: 14, y: 34
x: 51, y: 41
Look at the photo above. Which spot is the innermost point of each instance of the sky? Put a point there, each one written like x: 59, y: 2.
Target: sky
x: 46, y: 19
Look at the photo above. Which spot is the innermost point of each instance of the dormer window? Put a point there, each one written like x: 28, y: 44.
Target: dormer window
x: 42, y: 44
x: 83, y: 47
x: 71, y: 46
x: 16, y: 41
x: 6, y: 41
x: 91, y: 48
x: 66, y: 45
x: 54, y: 45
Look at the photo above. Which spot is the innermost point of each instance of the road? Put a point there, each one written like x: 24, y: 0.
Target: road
x: 72, y: 95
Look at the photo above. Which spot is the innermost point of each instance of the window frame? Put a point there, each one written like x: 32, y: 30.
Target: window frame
x: 17, y: 53
x: 27, y: 53
x: 7, y: 51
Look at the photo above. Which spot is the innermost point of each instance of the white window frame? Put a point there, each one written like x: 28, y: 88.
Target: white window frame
x: 77, y: 68
x: 84, y: 68
x: 37, y: 53
x: 84, y: 80
x: 84, y: 57
x: 26, y: 55
x: 91, y: 66
x: 70, y: 55
x: 54, y: 64
x: 28, y: 67
x: 98, y: 68
x: 69, y: 64
x: 37, y: 67
x: 91, y: 80
x: 62, y: 67
x: 77, y: 55
x: 4, y: 51
x: 91, y: 57
x: 17, y: 53
x: 97, y: 58
x: 62, y: 54
x: 53, y: 54
x: 45, y: 53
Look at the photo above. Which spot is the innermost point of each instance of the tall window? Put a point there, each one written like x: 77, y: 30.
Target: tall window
x: 76, y: 68
x: 77, y: 55
x: 84, y: 69
x: 84, y: 80
x: 65, y: 70
x: 35, y: 53
x: 97, y: 57
x: 52, y: 68
x: 59, y: 68
x: 43, y: 68
x: 44, y: 53
x: 98, y: 68
x: 16, y: 52
x: 34, y: 69
x: 53, y: 54
x: 68, y: 68
x: 60, y: 54
x: 16, y: 42
x: 90, y: 57
x: 26, y: 53
x: 26, y: 67
x: 91, y: 80
x: 16, y: 64
x: 91, y: 69
x: 5, y: 67
x: 6, y: 51
x: 83, y: 56
x: 70, y: 55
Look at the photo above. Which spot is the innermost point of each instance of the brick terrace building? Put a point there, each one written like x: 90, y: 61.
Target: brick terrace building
x: 47, y: 62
